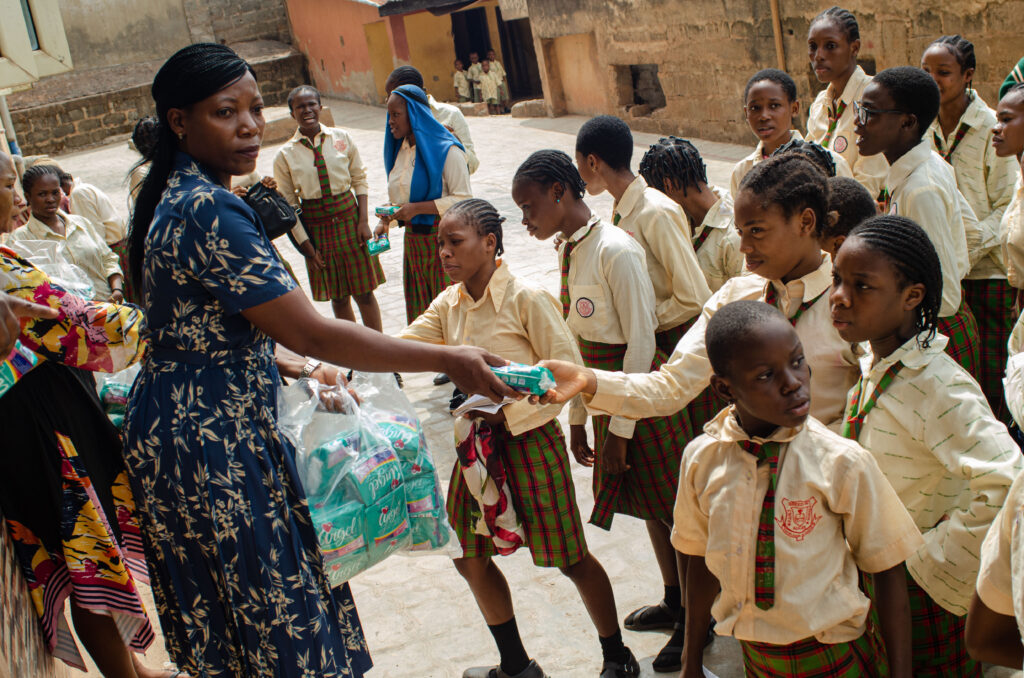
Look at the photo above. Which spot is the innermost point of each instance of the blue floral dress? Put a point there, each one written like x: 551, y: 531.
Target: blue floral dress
x: 237, y: 575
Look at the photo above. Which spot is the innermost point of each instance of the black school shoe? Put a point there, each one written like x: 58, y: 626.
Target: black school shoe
x: 630, y: 669
x: 670, y: 658
x: 532, y: 670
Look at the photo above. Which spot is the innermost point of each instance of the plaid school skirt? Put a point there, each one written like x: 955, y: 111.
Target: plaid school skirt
x: 648, y: 489
x: 809, y: 658
x: 937, y: 635
x: 131, y: 292
x: 992, y: 302
x: 964, y: 343
x: 704, y: 407
x: 540, y: 481
x: 422, y: 276
x: 331, y: 223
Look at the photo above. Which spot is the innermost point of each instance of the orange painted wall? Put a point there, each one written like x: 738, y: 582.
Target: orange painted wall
x: 331, y: 36
x: 579, y: 70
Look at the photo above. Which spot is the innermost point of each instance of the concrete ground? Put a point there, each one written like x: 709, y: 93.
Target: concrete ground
x: 418, y: 614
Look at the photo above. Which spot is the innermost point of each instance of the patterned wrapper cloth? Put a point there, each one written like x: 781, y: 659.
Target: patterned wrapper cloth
x: 648, y: 489
x: 331, y: 223
x: 540, y: 484
x: 809, y: 658
x: 964, y: 343
x: 422, y: 276
x: 992, y: 302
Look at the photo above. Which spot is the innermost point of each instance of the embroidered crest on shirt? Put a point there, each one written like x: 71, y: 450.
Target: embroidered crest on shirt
x: 585, y: 307
x: 840, y: 144
x: 799, y: 518
x: 340, y: 146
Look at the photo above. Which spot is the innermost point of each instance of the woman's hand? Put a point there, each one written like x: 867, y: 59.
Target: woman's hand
x: 405, y: 213
x: 570, y: 380
x: 239, y: 191
x: 613, y: 455
x: 579, y: 446
x: 313, y: 256
x: 492, y: 419
x: 269, y: 182
x: 469, y: 368
x: 117, y: 296
x: 11, y: 309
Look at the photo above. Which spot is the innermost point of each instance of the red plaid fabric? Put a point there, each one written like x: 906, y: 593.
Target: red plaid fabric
x: 809, y: 658
x: 854, y: 417
x: 764, y: 559
x: 704, y: 407
x: 699, y: 241
x: 332, y: 224
x: 319, y: 163
x: 939, y: 648
x: 962, y: 330
x: 540, y: 482
x: 834, y: 114
x: 422, y: 276
x: 771, y: 297
x: 131, y: 292
x: 648, y: 489
x: 563, y: 292
x: 992, y: 302
x: 960, y: 133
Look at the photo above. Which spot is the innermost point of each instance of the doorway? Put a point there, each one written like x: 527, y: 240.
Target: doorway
x: 469, y: 30
x: 520, y: 58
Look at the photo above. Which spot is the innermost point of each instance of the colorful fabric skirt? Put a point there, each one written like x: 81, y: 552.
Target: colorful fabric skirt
x: 131, y: 292
x: 648, y: 489
x: 540, y: 481
x: 332, y: 224
x: 992, y: 302
x: 939, y: 648
x: 964, y: 342
x: 809, y: 658
x: 65, y: 496
x: 422, y: 276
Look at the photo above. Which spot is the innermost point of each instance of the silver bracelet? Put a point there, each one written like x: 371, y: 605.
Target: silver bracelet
x: 309, y: 368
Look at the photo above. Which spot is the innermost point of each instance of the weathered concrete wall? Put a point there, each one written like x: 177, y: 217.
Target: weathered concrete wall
x: 108, y: 33
x: 705, y: 51
x: 245, y: 20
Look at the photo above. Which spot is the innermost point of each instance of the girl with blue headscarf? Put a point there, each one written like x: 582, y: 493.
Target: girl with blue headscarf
x: 427, y: 174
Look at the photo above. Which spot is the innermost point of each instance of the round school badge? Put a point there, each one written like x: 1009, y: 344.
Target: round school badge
x: 585, y: 307
x: 840, y: 144
x: 340, y: 146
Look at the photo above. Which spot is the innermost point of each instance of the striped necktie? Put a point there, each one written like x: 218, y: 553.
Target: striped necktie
x: 563, y: 293
x: 320, y: 164
x: 771, y: 297
x: 834, y: 113
x: 854, y: 418
x: 764, y: 558
x: 960, y: 133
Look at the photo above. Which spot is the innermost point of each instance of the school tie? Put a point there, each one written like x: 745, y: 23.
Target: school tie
x: 854, y: 418
x: 616, y: 218
x: 960, y: 133
x: 834, y: 113
x: 563, y: 293
x: 699, y: 240
x: 771, y: 297
x: 320, y: 164
x: 764, y: 557
x: 884, y: 201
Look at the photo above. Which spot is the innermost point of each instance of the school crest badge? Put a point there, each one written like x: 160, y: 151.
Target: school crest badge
x: 340, y: 146
x: 840, y: 144
x: 585, y: 307
x: 799, y: 519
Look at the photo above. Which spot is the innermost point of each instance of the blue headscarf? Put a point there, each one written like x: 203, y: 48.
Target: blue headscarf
x: 433, y: 141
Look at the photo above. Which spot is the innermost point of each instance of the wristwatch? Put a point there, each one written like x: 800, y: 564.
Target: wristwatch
x: 310, y: 368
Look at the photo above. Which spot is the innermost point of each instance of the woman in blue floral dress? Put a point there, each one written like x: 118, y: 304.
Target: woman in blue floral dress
x: 237, y: 574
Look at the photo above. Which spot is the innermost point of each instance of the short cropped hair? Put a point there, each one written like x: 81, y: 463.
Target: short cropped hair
x: 608, y: 138
x: 733, y: 323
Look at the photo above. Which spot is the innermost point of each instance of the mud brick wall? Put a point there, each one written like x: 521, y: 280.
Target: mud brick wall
x: 87, y: 121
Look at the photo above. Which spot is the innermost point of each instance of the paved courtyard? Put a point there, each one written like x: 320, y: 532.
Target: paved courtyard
x: 418, y: 614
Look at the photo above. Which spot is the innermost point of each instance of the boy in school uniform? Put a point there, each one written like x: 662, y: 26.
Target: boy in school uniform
x: 475, y: 70
x: 488, y: 83
x: 499, y: 72
x: 778, y: 514
x: 461, y: 81
x: 674, y: 167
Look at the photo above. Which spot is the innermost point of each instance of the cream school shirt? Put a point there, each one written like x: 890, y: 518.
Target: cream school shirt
x: 923, y: 188
x: 834, y: 366
x: 296, y: 174
x: 949, y: 459
x: 834, y: 513
x: 659, y: 225
x: 455, y: 178
x: 868, y: 170
x: 611, y: 300
x: 744, y: 166
x: 513, y: 319
x: 719, y: 255
x: 462, y: 84
x: 452, y: 118
x: 1012, y: 228
x: 1001, y: 576
x: 488, y: 83
x: 84, y: 247
x: 1014, y: 381
x: 95, y: 206
x: 985, y: 180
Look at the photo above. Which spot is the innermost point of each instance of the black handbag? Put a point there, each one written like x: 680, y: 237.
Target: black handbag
x: 277, y: 215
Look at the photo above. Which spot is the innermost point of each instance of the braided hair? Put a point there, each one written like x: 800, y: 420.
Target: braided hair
x: 911, y: 252
x: 793, y: 183
x: 145, y: 135
x: 483, y: 216
x: 676, y: 159
x: 35, y: 173
x: 190, y: 75
x: 817, y: 154
x: 842, y: 19
x: 961, y: 48
x: 404, y: 75
x: 300, y: 90
x: 549, y: 167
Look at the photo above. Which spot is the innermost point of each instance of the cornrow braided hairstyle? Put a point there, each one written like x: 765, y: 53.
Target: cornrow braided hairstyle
x: 911, y: 252
x: 549, y: 167
x: 483, y: 216
x: 961, y: 48
x: 676, y: 159
x: 35, y: 173
x: 812, y: 151
x: 793, y: 183
x: 843, y: 19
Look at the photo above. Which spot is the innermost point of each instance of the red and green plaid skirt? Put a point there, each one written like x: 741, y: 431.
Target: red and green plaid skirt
x: 809, y: 658
x: 704, y: 407
x: 964, y: 343
x: 992, y: 302
x: 332, y: 224
x: 648, y: 489
x: 131, y: 292
x: 422, y: 276
x: 540, y: 482
x: 939, y: 648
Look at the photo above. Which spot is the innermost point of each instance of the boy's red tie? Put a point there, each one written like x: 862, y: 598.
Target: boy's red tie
x: 764, y: 558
